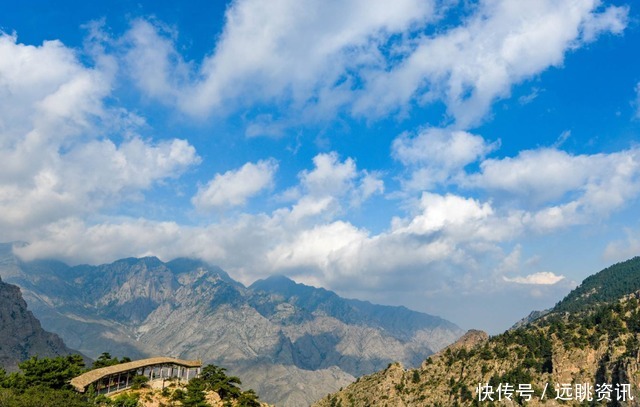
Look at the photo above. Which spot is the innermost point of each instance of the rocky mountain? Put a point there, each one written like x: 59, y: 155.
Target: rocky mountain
x: 290, y: 342
x: 21, y: 335
x: 584, y: 351
x: 533, y: 315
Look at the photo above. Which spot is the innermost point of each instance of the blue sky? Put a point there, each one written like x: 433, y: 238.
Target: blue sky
x: 474, y: 160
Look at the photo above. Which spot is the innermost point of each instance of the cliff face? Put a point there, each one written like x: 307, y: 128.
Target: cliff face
x: 21, y: 335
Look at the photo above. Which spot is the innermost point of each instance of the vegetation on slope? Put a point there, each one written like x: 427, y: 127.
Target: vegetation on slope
x: 592, y: 336
x: 45, y: 382
x: 606, y: 286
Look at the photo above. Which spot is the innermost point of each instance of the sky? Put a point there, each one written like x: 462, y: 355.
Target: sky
x: 474, y: 160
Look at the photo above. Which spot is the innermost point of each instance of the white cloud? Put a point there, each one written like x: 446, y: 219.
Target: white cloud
x: 234, y: 187
x: 538, y: 176
x: 613, y: 20
x: 318, y: 248
x: 588, y: 184
x: 330, y: 176
x: 526, y: 99
x: 292, y: 48
x: 445, y: 230
x: 370, y: 184
x: 153, y: 62
x: 623, y: 249
x: 452, y: 214
x: 58, y: 159
x: 332, y: 186
x: 438, y: 155
x: 564, y: 136
x: 291, y: 51
x: 46, y: 95
x: 317, y: 58
x: 500, y: 44
x: 541, y: 278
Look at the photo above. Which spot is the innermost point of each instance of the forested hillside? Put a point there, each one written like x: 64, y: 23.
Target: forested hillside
x: 584, y: 352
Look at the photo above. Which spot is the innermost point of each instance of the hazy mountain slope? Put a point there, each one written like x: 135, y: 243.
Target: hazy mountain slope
x: 314, y: 340
x: 592, y: 344
x: 21, y: 335
x: 399, y: 322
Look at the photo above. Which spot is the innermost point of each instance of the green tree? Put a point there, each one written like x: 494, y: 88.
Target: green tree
x: 216, y: 379
x: 138, y: 381
x: 105, y: 359
x: 248, y: 398
x: 51, y: 372
x: 126, y: 400
x: 195, y: 396
x: 42, y: 397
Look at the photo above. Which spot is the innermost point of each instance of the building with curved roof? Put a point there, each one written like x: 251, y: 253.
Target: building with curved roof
x: 120, y: 377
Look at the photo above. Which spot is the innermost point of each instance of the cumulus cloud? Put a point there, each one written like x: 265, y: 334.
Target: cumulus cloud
x: 46, y: 95
x: 319, y: 58
x: 541, y: 278
x: 370, y: 184
x: 541, y: 190
x: 612, y: 19
x: 58, y: 159
x: 500, y: 44
x: 331, y: 187
x: 153, y: 62
x: 446, y: 231
x: 437, y: 156
x: 329, y: 177
x: 234, y: 187
x: 291, y: 50
x: 538, y: 176
x: 562, y: 189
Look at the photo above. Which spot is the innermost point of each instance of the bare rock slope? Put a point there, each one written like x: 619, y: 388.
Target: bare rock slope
x: 21, y: 335
x: 291, y: 343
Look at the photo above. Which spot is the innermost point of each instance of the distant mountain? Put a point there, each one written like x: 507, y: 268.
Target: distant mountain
x: 292, y: 343
x: 590, y: 338
x: 21, y: 335
x: 401, y: 322
x: 533, y: 315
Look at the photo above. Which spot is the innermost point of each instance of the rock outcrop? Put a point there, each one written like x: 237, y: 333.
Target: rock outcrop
x: 21, y: 335
x: 584, y: 351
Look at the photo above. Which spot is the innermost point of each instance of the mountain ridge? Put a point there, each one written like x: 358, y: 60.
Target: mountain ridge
x: 188, y: 308
x: 589, y: 339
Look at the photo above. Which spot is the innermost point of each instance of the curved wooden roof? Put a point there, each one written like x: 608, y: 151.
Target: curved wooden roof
x: 81, y: 382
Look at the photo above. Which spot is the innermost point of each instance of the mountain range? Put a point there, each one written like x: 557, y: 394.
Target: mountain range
x: 291, y: 342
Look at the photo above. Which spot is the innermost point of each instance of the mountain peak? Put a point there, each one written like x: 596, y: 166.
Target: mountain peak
x: 313, y: 339
x: 273, y: 283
